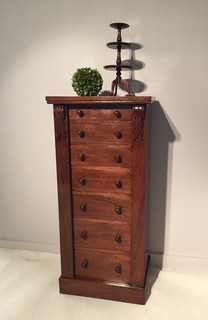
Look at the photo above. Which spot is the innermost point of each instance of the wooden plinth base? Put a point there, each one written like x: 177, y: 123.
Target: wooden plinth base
x: 104, y: 290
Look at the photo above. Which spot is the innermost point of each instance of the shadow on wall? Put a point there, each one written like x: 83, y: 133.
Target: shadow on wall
x: 135, y: 86
x: 163, y: 134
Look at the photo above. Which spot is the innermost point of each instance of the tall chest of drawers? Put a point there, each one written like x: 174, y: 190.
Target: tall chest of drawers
x: 101, y: 154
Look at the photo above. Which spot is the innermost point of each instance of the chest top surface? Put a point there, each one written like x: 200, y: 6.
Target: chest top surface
x: 87, y: 102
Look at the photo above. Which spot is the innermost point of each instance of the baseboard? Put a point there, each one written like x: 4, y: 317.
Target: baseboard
x: 179, y: 262
x: 30, y: 246
x: 161, y: 261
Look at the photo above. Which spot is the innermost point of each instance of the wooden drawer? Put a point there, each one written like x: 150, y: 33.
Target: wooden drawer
x: 102, y: 207
x: 106, y: 180
x: 101, y: 155
x: 102, y: 266
x: 100, y: 114
x: 87, y: 132
x: 102, y: 236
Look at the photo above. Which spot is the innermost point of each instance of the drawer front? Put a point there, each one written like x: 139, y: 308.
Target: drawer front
x: 101, y: 155
x: 100, y: 114
x: 102, y: 207
x: 101, y: 180
x: 102, y: 266
x: 101, y: 235
x: 100, y: 133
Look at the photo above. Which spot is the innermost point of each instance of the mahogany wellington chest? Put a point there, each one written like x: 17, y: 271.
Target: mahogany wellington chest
x: 101, y: 172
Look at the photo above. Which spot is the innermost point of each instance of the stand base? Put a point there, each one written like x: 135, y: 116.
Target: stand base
x: 118, y: 81
x: 105, y: 290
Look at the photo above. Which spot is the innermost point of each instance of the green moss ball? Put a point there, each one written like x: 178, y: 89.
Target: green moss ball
x: 87, y: 82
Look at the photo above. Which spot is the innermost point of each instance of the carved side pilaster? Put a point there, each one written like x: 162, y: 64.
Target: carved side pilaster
x: 138, y: 122
x: 60, y: 120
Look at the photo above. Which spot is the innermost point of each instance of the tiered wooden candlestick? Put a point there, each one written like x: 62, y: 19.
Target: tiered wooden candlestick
x: 119, y: 45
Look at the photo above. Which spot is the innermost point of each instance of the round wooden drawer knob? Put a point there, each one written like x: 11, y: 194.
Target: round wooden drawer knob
x: 118, y: 210
x: 118, y: 135
x: 117, y: 114
x: 118, y: 184
x: 82, y: 181
x: 80, y: 113
x: 83, y: 235
x: 118, y: 238
x: 118, y: 158
x: 118, y: 269
x: 81, y: 156
x: 83, y: 207
x: 84, y: 264
x: 81, y: 133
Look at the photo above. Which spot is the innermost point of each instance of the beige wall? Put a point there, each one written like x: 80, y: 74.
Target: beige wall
x: 42, y: 44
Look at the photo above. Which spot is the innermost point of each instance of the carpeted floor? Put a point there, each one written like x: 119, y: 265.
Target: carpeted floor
x: 29, y: 291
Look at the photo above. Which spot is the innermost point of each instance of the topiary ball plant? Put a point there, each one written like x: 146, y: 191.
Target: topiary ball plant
x: 87, y: 82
